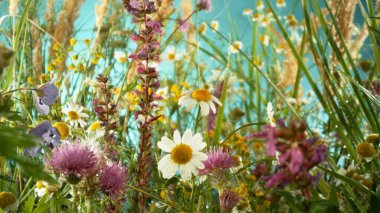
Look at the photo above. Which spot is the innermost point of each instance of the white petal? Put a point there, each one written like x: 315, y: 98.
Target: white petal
x: 166, y: 144
x: 83, y: 115
x: 167, y: 167
x: 185, y: 170
x: 216, y: 100
x: 191, y: 104
x: 177, y: 137
x: 187, y: 136
x: 204, y: 108
x: 199, y: 156
x: 212, y: 106
x: 196, y: 142
x: 197, y: 164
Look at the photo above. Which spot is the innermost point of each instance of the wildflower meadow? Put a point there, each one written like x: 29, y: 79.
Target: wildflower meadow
x: 189, y: 106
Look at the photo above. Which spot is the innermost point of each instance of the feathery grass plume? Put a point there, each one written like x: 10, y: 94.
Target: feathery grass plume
x: 344, y: 14
x: 50, y: 16
x: 38, y: 59
x: 100, y: 14
x: 359, y: 42
x: 290, y: 63
x: 187, y: 9
x: 165, y: 9
x: 13, y: 7
x: 64, y: 28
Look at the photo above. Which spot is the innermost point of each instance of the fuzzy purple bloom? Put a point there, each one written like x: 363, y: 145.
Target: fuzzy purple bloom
x: 205, y: 5
x: 217, y: 160
x: 112, y: 180
x: 228, y: 200
x: 74, y: 161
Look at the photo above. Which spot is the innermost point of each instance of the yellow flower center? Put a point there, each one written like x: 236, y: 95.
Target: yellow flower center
x: 63, y: 129
x: 365, y: 150
x: 73, y: 115
x: 171, y: 56
x: 95, y: 126
x: 201, y: 95
x: 40, y: 185
x: 182, y: 154
x: 6, y: 199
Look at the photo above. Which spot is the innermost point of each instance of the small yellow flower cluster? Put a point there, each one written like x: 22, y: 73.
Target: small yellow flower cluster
x: 241, y: 145
x: 133, y: 100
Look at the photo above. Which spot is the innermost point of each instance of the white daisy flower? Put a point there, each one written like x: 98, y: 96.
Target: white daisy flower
x: 270, y: 114
x: 235, y: 47
x: 260, y: 5
x: 215, y: 25
x: 247, y: 11
x: 163, y: 92
x: 280, y: 3
x: 199, y: 96
x: 265, y: 21
x: 120, y: 56
x: 202, y: 28
x: 75, y: 115
x: 264, y: 39
x: 184, y: 154
x: 171, y: 54
x: 256, y: 17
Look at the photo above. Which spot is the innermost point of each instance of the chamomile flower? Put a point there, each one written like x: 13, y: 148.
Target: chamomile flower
x: 171, y: 54
x: 184, y: 154
x: 264, y: 39
x: 235, y: 47
x: 199, y: 96
x: 280, y: 48
x: 75, y: 115
x: 247, y: 11
x: 120, y: 56
x: 256, y: 17
x: 215, y: 25
x: 202, y: 28
x: 265, y: 21
x: 280, y: 3
x: 260, y: 5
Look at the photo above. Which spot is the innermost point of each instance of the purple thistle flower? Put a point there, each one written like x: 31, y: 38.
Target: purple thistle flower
x: 205, y: 5
x: 228, y: 200
x: 48, y: 134
x: 112, y: 180
x: 217, y: 160
x: 74, y: 161
x: 46, y: 95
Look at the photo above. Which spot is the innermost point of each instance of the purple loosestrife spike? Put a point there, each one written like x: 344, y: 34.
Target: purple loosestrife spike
x: 112, y: 180
x: 297, y: 156
x: 74, y: 161
x: 228, y: 200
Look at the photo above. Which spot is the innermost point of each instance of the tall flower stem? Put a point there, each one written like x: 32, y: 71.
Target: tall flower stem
x: 75, y: 198
x: 148, y: 51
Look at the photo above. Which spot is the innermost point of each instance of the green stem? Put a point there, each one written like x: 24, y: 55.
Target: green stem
x: 75, y: 198
x: 197, y: 119
x: 89, y: 204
